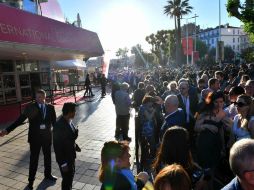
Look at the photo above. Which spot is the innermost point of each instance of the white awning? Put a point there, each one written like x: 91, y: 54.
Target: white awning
x: 69, y: 64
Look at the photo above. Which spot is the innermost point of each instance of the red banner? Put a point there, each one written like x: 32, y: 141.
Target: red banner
x: 195, y: 56
x: 23, y: 27
x: 190, y: 45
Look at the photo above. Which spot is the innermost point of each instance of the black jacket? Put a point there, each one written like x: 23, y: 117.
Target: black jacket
x: 64, y: 142
x: 35, y: 118
x: 118, y: 181
x: 193, y: 105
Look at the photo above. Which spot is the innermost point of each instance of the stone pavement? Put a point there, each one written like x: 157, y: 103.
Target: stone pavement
x: 96, y: 121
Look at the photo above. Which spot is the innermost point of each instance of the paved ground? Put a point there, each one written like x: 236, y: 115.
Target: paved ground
x: 96, y: 121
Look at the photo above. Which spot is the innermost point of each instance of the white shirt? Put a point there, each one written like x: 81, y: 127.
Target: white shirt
x: 186, y: 102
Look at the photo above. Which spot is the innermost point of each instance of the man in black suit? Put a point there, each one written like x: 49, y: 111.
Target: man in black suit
x: 64, y: 136
x: 41, y: 117
x: 188, y: 102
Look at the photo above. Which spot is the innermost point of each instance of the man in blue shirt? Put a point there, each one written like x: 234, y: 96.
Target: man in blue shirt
x: 241, y: 161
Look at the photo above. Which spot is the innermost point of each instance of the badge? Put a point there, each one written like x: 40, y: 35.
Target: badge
x: 42, y: 126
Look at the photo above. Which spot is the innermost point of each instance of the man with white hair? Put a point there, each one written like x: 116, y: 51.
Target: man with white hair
x: 174, y: 115
x: 241, y: 160
x: 122, y: 106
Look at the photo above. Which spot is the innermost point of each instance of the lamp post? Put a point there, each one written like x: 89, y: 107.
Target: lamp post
x: 187, y: 38
x: 219, y: 34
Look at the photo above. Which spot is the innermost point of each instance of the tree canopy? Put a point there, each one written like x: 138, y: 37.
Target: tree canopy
x: 244, y: 12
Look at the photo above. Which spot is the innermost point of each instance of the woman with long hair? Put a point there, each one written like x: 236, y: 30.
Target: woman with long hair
x: 210, y: 127
x: 175, y: 148
x: 243, y: 126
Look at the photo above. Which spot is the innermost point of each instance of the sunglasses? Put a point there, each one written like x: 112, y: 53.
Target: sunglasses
x: 240, y: 104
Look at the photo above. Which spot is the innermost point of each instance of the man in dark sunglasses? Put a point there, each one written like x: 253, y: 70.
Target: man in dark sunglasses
x: 240, y: 104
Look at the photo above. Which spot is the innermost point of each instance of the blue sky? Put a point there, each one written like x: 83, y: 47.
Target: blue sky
x: 125, y: 23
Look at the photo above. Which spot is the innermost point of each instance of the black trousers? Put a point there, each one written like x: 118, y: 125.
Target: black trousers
x: 35, y: 148
x: 88, y: 91
x: 103, y: 90
x: 122, y: 126
x: 68, y: 176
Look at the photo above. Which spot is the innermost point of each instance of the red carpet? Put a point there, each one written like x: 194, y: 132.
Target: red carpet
x: 10, y: 112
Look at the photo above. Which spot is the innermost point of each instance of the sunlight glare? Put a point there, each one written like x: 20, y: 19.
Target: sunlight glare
x: 126, y: 24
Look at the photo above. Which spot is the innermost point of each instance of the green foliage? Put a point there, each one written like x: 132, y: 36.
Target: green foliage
x: 244, y: 12
x: 177, y: 9
x: 202, y: 48
x: 139, y: 56
x: 163, y: 45
x: 248, y: 54
x: 229, y: 54
x: 122, y: 53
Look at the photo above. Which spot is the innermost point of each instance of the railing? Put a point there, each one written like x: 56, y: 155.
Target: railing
x: 61, y: 90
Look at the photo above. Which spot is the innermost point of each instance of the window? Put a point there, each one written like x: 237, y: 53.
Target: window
x: 238, y: 47
x: 24, y: 80
x: 233, y: 47
x: 233, y: 40
x: 233, y: 31
x: 6, y: 66
x: 9, y: 81
x: 28, y: 66
x: 237, y: 39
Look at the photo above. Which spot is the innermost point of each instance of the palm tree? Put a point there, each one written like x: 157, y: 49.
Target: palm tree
x: 176, y: 9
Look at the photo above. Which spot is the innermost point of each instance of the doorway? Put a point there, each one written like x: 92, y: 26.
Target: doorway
x: 35, y: 83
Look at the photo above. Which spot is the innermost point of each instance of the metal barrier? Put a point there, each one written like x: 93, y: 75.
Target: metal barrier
x: 64, y: 91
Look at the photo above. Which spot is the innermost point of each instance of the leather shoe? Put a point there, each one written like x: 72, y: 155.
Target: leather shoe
x: 51, y: 177
x: 30, y: 185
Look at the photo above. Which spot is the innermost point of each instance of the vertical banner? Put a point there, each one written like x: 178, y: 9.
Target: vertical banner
x: 190, y: 45
x: 105, y: 64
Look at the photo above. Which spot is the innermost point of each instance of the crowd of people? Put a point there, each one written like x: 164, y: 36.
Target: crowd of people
x: 192, y: 127
x: 188, y: 120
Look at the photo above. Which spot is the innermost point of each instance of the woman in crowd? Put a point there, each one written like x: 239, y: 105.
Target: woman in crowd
x: 234, y: 92
x: 148, y: 128
x: 115, y: 173
x: 172, y: 90
x: 172, y: 177
x: 249, y: 88
x: 175, y: 148
x: 209, y: 126
x: 243, y: 80
x: 243, y: 126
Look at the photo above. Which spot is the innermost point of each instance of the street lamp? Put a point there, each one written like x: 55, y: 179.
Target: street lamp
x: 219, y: 34
x: 187, y: 38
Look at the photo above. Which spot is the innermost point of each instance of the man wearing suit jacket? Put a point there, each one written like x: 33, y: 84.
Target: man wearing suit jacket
x: 64, y: 136
x: 188, y: 102
x: 41, y: 117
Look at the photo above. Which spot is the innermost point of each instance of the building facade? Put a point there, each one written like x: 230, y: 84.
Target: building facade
x: 32, y: 44
x: 234, y: 37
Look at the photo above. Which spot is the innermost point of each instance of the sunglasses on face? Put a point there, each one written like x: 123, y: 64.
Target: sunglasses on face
x: 240, y: 104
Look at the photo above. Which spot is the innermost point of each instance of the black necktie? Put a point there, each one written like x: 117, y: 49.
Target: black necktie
x: 42, y: 111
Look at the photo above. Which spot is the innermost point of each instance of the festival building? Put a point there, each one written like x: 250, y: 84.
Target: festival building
x: 38, y: 49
